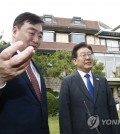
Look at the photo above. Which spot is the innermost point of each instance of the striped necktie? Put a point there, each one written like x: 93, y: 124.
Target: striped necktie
x: 34, y: 82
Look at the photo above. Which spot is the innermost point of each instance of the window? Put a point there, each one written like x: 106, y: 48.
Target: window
x: 90, y: 39
x: 102, y: 41
x: 62, y: 37
x: 48, y: 18
x: 110, y: 64
x: 100, y: 57
x: 77, y: 37
x: 117, y: 67
x: 77, y: 20
x: 48, y: 36
x: 117, y: 59
x: 112, y: 45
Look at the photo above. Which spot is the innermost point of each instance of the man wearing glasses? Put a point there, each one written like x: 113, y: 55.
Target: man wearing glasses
x: 86, y: 103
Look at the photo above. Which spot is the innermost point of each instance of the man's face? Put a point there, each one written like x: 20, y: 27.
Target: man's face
x: 30, y: 34
x: 84, y: 60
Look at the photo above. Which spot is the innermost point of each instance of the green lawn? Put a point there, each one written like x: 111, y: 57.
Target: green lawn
x: 119, y: 114
x: 54, y: 125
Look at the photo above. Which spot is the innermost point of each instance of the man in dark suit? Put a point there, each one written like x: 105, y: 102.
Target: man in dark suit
x: 23, y: 110
x: 83, y: 110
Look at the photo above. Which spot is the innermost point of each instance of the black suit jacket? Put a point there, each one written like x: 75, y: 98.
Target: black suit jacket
x: 20, y: 110
x: 73, y: 115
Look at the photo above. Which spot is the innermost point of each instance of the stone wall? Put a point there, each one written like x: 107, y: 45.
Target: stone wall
x: 53, y: 83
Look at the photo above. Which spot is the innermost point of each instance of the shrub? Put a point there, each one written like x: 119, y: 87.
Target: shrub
x: 52, y: 104
x: 52, y: 91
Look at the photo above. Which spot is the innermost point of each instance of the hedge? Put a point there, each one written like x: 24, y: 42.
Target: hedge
x: 52, y: 104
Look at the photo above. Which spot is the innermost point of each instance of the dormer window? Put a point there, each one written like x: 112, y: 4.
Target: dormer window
x: 48, y: 18
x: 77, y: 20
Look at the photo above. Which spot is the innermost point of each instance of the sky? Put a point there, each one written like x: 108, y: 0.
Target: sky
x: 106, y: 11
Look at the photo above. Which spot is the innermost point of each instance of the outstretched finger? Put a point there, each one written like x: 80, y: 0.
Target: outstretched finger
x: 18, y: 60
x: 7, y: 53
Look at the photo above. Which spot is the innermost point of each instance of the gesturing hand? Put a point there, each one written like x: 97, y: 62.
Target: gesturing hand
x: 11, y: 66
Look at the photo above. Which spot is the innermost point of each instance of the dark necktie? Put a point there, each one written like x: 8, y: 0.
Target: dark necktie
x: 89, y: 85
x: 34, y: 82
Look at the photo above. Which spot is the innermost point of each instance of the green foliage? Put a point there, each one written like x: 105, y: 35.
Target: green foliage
x: 52, y: 104
x: 52, y: 91
x: 42, y: 60
x: 56, y: 64
x: 98, y: 68
x: 0, y: 37
x: 3, y: 43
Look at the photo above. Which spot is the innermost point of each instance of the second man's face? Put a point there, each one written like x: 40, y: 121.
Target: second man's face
x: 84, y: 60
x: 30, y: 34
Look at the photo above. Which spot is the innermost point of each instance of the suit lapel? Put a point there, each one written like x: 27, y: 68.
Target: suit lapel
x: 27, y: 80
x: 96, y: 85
x: 79, y: 81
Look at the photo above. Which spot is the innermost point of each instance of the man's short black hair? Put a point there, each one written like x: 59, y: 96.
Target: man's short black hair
x: 78, y: 46
x: 27, y: 17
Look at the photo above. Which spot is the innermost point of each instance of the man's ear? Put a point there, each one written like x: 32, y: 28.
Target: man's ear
x: 74, y: 61
x: 14, y: 31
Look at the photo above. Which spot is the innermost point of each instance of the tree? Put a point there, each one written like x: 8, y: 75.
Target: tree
x: 3, y: 43
x: 1, y: 35
x: 98, y: 68
x: 56, y: 64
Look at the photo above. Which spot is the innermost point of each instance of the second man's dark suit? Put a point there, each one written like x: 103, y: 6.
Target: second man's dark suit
x: 72, y: 110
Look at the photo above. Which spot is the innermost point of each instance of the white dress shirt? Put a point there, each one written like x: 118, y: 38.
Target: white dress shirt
x: 82, y: 74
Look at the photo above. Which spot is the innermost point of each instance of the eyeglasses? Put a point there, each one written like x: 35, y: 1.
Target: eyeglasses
x: 84, y: 55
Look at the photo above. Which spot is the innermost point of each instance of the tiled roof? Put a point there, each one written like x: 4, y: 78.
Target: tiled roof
x: 67, y: 22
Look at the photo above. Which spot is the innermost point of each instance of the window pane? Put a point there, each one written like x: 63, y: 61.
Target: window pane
x: 117, y: 59
x: 110, y: 64
x: 100, y: 58
x: 48, y: 36
x: 102, y: 41
x: 117, y: 65
x: 77, y: 21
x: 77, y: 38
x: 48, y: 19
x: 62, y: 37
x: 112, y: 45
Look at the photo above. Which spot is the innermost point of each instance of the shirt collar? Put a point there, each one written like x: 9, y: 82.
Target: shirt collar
x: 82, y: 74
